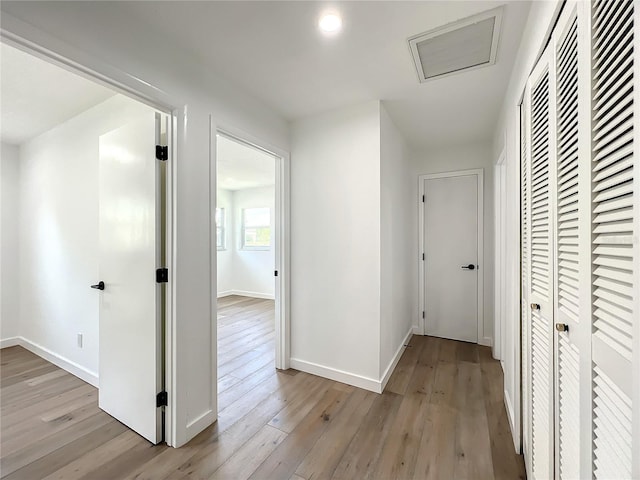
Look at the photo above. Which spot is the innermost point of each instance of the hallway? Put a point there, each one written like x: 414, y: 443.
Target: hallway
x: 441, y: 416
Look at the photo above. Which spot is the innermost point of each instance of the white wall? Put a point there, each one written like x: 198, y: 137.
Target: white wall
x: 396, y: 207
x: 9, y: 244
x: 335, y: 235
x: 253, y: 269
x: 246, y: 272
x: 148, y: 62
x: 460, y: 157
x: 539, y: 24
x: 225, y: 257
x: 59, y: 232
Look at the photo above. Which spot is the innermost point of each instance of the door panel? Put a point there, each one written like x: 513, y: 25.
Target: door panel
x: 451, y: 242
x: 584, y: 152
x: 541, y: 272
x: 568, y: 232
x: 130, y: 335
x: 524, y: 288
x: 614, y: 226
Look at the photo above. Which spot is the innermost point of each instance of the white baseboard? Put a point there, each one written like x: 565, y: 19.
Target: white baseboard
x: 416, y: 330
x: 245, y: 293
x: 197, y: 426
x: 58, y: 360
x: 396, y: 358
x: 359, y: 381
x: 9, y: 342
x: 512, y: 420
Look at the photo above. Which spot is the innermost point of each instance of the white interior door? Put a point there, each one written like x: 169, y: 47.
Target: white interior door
x: 579, y: 248
x: 451, y: 257
x: 525, y: 229
x: 615, y: 226
x: 570, y: 227
x: 130, y: 304
x: 541, y: 272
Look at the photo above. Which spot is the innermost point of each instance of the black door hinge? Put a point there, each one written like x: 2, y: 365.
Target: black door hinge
x: 162, y: 275
x: 422, y: 198
x: 275, y: 274
x: 162, y: 152
x: 422, y: 314
x: 423, y: 257
x: 161, y: 399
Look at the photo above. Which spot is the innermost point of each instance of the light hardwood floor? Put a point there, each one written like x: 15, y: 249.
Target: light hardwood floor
x: 441, y: 417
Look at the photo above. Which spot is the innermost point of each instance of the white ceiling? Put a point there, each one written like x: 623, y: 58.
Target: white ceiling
x: 275, y: 51
x: 35, y: 96
x: 241, y: 166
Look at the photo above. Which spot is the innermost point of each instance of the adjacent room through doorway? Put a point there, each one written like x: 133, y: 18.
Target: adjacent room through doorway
x: 246, y: 252
x: 83, y: 219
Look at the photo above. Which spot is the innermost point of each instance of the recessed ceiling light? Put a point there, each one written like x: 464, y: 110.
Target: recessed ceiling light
x: 330, y: 23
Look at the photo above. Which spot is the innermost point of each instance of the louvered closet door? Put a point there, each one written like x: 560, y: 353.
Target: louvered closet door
x: 613, y: 232
x: 541, y: 268
x: 525, y: 228
x: 571, y: 235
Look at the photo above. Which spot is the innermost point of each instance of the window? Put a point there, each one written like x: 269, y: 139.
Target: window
x: 220, y: 232
x: 256, y: 228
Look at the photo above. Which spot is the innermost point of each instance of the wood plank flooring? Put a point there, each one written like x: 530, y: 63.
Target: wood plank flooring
x: 441, y: 417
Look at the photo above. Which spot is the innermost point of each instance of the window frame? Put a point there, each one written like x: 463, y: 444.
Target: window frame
x: 243, y: 228
x: 222, y: 228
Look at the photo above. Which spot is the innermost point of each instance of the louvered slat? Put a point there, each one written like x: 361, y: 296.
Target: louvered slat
x: 613, y: 177
x: 613, y: 228
x: 569, y: 408
x: 567, y: 174
x: 540, y: 187
x: 540, y: 348
x: 567, y: 250
x: 611, y: 429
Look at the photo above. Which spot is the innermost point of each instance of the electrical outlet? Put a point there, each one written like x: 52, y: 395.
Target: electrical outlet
x: 79, y: 340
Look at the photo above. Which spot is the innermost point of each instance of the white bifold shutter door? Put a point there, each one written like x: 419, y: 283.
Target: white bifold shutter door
x: 570, y: 315
x: 540, y: 268
x: 524, y: 289
x: 615, y: 225
x: 580, y: 248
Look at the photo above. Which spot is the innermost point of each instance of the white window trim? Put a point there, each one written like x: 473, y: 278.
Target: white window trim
x: 223, y: 230
x: 242, y: 233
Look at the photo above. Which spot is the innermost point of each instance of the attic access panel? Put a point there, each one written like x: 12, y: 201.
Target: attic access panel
x: 462, y: 45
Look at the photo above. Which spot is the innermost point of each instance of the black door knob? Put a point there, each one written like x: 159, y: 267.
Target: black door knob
x: 99, y: 285
x: 471, y: 266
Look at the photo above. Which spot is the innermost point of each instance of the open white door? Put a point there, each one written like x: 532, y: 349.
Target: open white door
x: 131, y: 300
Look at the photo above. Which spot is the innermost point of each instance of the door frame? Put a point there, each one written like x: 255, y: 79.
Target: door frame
x: 282, y: 239
x: 479, y: 173
x: 33, y: 41
x: 500, y: 257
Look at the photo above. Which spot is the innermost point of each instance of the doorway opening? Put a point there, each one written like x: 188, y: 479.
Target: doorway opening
x: 249, y: 248
x: 89, y: 206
